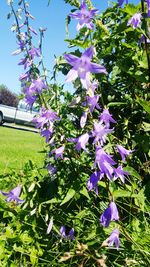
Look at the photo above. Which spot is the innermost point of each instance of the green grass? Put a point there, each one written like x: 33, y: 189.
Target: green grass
x: 18, y: 147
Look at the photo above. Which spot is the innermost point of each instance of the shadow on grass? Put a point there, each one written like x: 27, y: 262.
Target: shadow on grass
x: 20, y: 128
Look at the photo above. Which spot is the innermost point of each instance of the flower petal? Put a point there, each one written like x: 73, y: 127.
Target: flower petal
x: 97, y: 68
x: 89, y: 52
x: 72, y: 75
x: 71, y: 59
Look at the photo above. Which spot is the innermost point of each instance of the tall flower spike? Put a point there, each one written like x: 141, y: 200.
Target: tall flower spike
x: 110, y: 214
x: 82, y: 67
x: 84, y: 16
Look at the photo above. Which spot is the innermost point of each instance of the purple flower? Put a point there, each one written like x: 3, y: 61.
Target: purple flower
x: 51, y: 169
x: 83, y: 120
x: 104, y: 162
x: 106, y: 118
x: 26, y: 62
x: 37, y: 86
x: 82, y: 140
x: 30, y: 99
x: 114, y: 238
x: 46, y: 116
x: 82, y: 67
x: 47, y: 133
x: 92, y: 87
x: 120, y: 2
x: 93, y: 181
x: 69, y: 236
x: 34, y: 52
x: 120, y: 173
x: 148, y: 6
x: 123, y: 152
x: 142, y: 39
x: 21, y: 44
x: 50, y: 225
x: 110, y: 214
x: 24, y: 76
x: 93, y: 102
x: 58, y: 152
x: 84, y: 16
x: 100, y: 133
x: 13, y: 195
x: 135, y: 20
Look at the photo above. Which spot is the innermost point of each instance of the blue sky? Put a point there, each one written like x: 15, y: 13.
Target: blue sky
x: 53, y: 18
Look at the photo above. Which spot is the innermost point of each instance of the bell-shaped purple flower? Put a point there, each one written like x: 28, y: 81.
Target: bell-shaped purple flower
x: 84, y: 16
x: 82, y: 141
x: 93, y: 181
x: 120, y: 2
x: 93, y: 102
x: 114, y: 238
x: 13, y: 195
x: 26, y: 62
x: 106, y: 118
x: 110, y: 214
x: 47, y: 133
x: 104, y: 162
x: 82, y: 67
x: 92, y: 87
x: 30, y: 99
x: 69, y: 236
x: 123, y: 152
x: 37, y: 86
x: 58, y: 152
x: 148, y: 6
x: 120, y: 173
x: 135, y: 20
x: 46, y: 116
x: 100, y: 133
x: 51, y: 169
x: 34, y: 52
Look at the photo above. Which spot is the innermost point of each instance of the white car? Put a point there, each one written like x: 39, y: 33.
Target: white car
x: 21, y: 115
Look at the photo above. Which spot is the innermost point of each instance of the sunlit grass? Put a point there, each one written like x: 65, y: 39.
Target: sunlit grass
x: 18, y: 147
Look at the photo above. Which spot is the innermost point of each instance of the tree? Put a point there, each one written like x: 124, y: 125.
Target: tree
x: 7, y: 97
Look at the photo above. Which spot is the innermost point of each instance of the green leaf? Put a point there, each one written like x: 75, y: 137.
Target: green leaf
x: 144, y: 104
x: 69, y: 195
x: 146, y: 126
x: 84, y: 192
x: 122, y: 193
x: 132, y: 172
x: 116, y: 104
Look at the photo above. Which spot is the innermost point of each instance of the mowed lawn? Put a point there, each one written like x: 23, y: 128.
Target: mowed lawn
x: 18, y: 147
